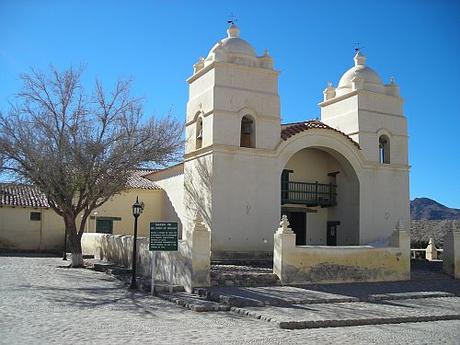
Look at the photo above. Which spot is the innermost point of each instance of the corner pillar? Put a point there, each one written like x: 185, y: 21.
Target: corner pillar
x: 284, y: 242
x: 451, y: 253
x: 201, y: 254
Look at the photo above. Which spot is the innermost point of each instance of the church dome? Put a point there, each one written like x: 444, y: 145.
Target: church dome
x: 233, y: 49
x: 233, y: 44
x: 365, y: 75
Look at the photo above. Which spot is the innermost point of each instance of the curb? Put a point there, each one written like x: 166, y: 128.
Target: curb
x: 202, y: 305
x: 346, y: 322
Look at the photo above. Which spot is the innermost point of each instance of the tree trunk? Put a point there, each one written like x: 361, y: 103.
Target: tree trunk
x: 75, y: 242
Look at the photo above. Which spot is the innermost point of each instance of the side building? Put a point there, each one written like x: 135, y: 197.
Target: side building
x: 28, y: 223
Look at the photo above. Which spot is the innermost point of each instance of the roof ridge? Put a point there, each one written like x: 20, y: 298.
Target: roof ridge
x: 302, y: 122
x: 292, y: 129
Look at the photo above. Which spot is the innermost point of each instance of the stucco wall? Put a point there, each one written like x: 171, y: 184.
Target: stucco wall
x: 246, y: 201
x: 172, y: 183
x: 198, y: 192
x: 120, y: 205
x: 18, y: 232
x: 189, y: 266
x: 313, y: 264
x: 451, y: 254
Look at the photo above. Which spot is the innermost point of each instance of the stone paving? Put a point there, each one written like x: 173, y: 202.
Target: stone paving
x: 41, y: 303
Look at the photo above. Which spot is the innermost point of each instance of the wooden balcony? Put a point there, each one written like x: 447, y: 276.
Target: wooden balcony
x: 309, y: 194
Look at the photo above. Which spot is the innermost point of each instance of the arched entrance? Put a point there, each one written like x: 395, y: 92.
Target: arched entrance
x: 320, y: 196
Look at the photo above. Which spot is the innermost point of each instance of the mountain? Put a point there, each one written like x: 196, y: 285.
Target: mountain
x: 427, y: 209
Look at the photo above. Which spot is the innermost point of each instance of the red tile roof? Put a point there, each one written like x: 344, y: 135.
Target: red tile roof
x: 290, y: 129
x: 138, y: 180
x: 22, y: 195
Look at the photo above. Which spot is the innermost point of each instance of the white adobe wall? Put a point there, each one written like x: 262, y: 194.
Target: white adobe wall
x: 197, y: 189
x: 246, y: 201
x: 172, y: 182
x: 384, y: 200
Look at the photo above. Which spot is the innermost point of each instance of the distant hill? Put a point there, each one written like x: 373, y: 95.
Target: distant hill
x: 427, y: 209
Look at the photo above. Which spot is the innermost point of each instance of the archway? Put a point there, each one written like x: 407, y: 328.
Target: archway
x: 320, y: 195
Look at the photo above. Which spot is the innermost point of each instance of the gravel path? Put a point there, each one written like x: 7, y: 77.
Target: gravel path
x: 41, y: 303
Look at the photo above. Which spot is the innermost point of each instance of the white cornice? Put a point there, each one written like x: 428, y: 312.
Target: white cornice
x: 220, y: 63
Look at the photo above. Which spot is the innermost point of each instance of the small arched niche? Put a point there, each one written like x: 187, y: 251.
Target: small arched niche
x: 199, y: 133
x: 248, y: 132
x: 384, y: 149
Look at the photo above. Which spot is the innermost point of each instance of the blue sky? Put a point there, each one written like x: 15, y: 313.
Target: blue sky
x: 312, y: 42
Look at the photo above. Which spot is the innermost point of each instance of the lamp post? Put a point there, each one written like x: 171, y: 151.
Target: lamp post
x: 137, y: 210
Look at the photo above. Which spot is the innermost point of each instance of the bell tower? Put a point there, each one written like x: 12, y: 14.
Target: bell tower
x: 232, y: 128
x: 233, y: 97
x: 371, y: 113
x: 368, y: 111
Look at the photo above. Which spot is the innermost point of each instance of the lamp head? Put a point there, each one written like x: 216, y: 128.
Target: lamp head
x: 137, y: 208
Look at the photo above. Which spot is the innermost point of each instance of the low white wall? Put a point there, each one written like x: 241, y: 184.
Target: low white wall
x: 190, y: 264
x: 451, y: 253
x: 306, y: 264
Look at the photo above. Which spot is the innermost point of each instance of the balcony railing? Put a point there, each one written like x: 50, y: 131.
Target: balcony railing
x: 309, y: 194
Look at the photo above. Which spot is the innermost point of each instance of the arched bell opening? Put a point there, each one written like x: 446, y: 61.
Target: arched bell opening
x: 384, y: 150
x: 248, y: 132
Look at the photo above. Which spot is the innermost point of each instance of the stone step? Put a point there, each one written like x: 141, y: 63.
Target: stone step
x: 299, y: 316
x: 233, y: 275
x: 288, y: 295
x: 407, y: 295
x: 270, y: 296
x: 193, y: 302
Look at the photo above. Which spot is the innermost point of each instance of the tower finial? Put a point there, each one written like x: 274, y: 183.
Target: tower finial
x: 232, y: 19
x: 358, y: 47
x: 233, y: 30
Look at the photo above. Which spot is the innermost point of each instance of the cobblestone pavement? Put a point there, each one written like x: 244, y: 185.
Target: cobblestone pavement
x: 41, y: 303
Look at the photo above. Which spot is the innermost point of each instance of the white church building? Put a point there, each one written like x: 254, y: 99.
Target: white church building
x: 341, y: 181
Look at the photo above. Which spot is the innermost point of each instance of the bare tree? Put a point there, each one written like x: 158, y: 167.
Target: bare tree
x: 79, y: 148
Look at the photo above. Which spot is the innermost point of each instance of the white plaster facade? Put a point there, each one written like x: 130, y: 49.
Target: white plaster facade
x: 236, y: 151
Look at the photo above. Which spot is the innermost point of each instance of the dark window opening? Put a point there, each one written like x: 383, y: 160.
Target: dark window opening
x: 384, y: 150
x: 35, y: 216
x: 104, y: 226
x: 199, y: 133
x: 248, y: 133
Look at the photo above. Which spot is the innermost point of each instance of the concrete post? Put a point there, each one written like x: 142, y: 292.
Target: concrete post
x: 451, y: 253
x: 201, y: 254
x: 401, y: 239
x: 284, y: 241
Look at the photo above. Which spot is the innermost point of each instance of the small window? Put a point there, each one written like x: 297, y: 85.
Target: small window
x: 35, y: 216
x: 199, y: 133
x: 248, y: 133
x: 384, y: 150
x: 104, y: 226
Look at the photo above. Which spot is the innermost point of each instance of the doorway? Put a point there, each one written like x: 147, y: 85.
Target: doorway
x: 332, y: 233
x: 298, y: 221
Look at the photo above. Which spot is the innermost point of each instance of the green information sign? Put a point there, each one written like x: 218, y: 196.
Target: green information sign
x: 163, y: 236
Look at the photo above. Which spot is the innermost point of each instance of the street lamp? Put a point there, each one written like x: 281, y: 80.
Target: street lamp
x: 137, y: 210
